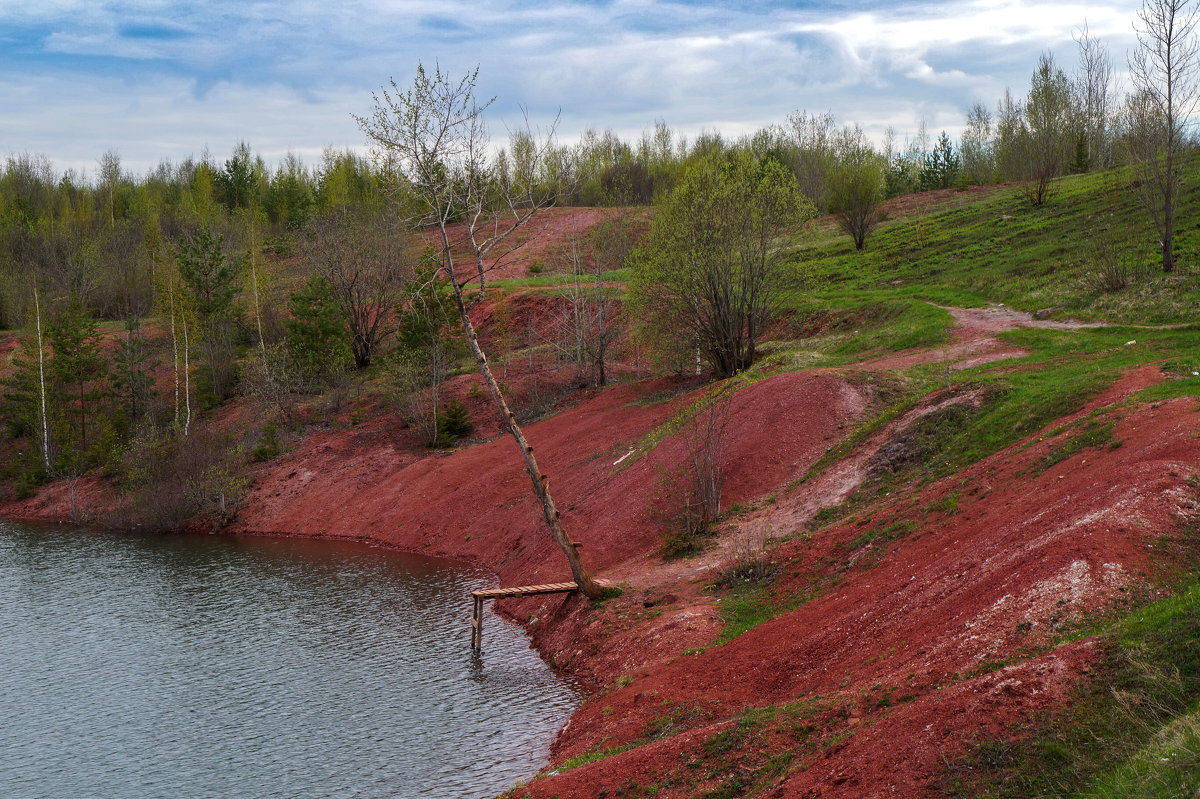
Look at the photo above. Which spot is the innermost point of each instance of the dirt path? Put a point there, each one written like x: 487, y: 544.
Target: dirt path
x: 974, y: 339
x: 999, y: 560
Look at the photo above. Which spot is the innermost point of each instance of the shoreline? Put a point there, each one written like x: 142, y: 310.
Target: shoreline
x: 403, y: 576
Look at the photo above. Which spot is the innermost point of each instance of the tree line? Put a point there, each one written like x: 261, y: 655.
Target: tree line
x: 146, y: 301
x: 95, y: 238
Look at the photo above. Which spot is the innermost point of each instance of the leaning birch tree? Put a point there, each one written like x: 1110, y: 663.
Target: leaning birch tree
x: 433, y: 137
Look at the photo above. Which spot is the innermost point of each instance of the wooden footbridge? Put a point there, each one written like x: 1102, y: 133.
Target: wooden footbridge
x: 503, y: 593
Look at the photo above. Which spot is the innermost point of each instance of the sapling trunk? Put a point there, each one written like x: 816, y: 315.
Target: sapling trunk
x: 37, y: 307
x: 541, y: 483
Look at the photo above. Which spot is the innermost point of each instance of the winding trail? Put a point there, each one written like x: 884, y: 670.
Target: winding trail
x: 974, y: 343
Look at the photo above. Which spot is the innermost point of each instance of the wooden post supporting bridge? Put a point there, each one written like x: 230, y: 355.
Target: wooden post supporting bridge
x: 502, y: 593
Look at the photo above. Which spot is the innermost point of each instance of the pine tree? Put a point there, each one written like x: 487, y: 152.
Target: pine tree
x: 317, y: 338
x: 208, y: 279
x: 78, y: 369
x: 133, y: 377
x: 942, y: 165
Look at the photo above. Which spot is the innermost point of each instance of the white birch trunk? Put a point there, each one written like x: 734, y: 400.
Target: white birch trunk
x: 187, y: 381
x: 262, y: 344
x: 37, y: 307
x: 175, y: 357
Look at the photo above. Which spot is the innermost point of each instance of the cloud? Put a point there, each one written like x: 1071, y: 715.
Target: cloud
x: 167, y: 78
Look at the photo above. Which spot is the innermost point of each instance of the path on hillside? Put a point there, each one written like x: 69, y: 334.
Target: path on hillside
x: 974, y: 343
x: 974, y: 338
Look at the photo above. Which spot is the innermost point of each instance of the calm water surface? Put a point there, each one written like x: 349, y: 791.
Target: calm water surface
x: 215, y: 667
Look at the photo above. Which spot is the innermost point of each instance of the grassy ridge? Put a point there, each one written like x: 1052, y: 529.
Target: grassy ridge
x: 1134, y: 728
x: 1001, y: 249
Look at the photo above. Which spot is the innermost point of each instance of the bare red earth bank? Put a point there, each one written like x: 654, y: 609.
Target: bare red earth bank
x: 898, y: 661
x: 964, y: 593
x: 909, y: 646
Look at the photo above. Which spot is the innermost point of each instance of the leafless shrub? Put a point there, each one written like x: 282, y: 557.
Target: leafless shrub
x: 748, y: 560
x: 705, y: 436
x: 690, y: 493
x: 171, y: 480
x: 1113, y: 268
x: 418, y: 377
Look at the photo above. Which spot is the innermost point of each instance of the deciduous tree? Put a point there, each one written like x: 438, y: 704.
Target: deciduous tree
x: 1163, y: 69
x: 367, y: 261
x: 1094, y: 97
x: 856, y: 185
x: 978, y: 155
x: 710, y: 263
x: 426, y: 350
x: 434, y: 136
x: 1046, y: 132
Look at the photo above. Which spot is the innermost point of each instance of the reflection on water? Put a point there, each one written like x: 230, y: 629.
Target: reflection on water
x: 216, y: 667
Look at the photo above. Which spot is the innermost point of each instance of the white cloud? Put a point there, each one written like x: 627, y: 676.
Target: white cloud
x: 164, y: 80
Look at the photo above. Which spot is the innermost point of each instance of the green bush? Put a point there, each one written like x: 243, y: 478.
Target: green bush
x: 268, y: 443
x: 454, y: 422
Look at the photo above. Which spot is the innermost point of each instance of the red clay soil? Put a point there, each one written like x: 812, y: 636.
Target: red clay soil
x: 77, y: 501
x: 9, y: 341
x: 1023, y: 555
x: 368, y: 482
x: 537, y: 243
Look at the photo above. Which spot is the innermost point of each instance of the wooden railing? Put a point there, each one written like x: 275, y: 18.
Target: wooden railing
x: 503, y: 593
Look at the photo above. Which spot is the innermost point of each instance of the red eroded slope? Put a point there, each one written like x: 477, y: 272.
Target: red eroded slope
x: 965, y: 592
x: 535, y: 243
x: 368, y: 482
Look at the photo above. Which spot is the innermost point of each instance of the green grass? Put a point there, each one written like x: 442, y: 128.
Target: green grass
x: 590, y: 757
x: 1167, y: 766
x: 880, y: 536
x: 751, y: 603
x: 744, y: 610
x: 1131, y: 730
x: 1091, y: 434
x: 843, y: 327
x: 1001, y: 249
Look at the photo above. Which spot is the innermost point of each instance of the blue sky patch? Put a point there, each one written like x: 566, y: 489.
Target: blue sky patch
x: 287, y: 76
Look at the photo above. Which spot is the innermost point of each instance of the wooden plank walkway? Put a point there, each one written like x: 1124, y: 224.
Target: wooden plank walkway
x: 477, y: 598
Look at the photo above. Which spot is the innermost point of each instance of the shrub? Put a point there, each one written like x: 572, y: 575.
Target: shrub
x: 268, y: 443
x: 454, y: 422
x: 1112, y: 268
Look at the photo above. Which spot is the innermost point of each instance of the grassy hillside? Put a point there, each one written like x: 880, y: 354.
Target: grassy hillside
x: 990, y: 245
x: 1131, y: 726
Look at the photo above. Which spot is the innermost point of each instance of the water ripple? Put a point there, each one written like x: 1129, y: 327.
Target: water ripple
x: 214, y: 667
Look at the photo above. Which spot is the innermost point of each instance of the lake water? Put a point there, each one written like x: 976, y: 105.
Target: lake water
x: 185, y: 666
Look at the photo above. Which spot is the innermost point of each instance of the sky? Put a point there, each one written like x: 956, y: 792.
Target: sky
x: 154, y: 80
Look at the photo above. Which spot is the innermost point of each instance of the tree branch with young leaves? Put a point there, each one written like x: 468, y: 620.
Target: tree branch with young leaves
x: 432, y: 137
